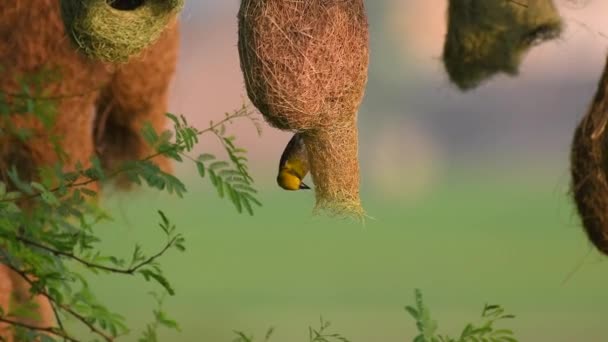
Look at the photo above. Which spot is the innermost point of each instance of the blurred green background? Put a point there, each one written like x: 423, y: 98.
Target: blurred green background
x: 468, y: 194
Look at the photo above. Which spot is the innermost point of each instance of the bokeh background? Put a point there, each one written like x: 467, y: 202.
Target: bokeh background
x: 468, y: 194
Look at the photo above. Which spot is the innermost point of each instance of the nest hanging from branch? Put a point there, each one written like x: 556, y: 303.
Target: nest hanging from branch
x: 305, y: 67
x: 486, y: 37
x: 114, y: 30
x: 589, y: 168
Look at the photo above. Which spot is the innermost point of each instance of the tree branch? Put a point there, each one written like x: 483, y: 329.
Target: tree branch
x: 48, y: 98
x: 63, y: 307
x: 130, y: 270
x: 48, y: 330
x: 178, y: 147
x: 243, y: 112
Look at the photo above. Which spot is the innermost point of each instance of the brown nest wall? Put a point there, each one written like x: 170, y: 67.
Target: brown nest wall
x: 589, y: 168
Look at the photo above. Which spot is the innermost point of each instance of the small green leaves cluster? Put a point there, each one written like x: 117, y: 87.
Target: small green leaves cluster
x: 242, y: 337
x: 47, y: 234
x: 31, y: 97
x: 425, y: 325
x: 323, y: 335
x: 317, y: 334
x: 481, y: 332
x: 161, y: 319
x: 485, y: 331
x: 231, y: 178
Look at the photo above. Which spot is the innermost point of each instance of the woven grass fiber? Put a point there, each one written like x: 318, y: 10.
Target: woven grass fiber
x: 305, y: 66
x: 115, y: 30
x: 487, y: 37
x: 589, y: 168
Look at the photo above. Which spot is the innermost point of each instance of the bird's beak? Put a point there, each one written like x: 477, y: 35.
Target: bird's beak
x: 304, y: 186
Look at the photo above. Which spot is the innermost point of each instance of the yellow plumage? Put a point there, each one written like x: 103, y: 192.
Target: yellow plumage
x: 294, y: 165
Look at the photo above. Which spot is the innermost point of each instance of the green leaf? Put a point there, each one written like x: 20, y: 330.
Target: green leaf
x: 201, y: 169
x: 502, y: 332
x: 165, y: 321
x: 241, y: 337
x: 220, y: 187
x: 508, y: 339
x: 163, y: 217
x: 88, y: 192
x: 148, y: 274
x: 206, y: 157
x: 467, y: 331
x: 13, y: 175
x: 218, y: 165
x: 235, y: 198
x: 269, y: 334
x: 213, y: 177
x: 244, y: 188
x: 247, y: 205
x: 149, y: 134
x: 413, y: 312
x: 252, y: 199
x: 173, y: 118
x: 230, y: 174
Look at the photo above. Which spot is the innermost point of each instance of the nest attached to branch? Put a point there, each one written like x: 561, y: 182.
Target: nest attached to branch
x: 305, y: 66
x: 589, y: 168
x: 489, y: 37
x: 114, y: 30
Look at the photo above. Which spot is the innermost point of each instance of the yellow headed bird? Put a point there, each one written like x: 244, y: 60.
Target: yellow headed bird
x: 294, y: 165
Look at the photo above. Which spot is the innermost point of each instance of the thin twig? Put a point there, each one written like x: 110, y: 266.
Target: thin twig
x: 49, y: 330
x: 75, y: 184
x: 89, y: 264
x: 242, y: 169
x: 49, y: 98
x: 58, y: 318
x: 59, y: 306
x: 63, y: 307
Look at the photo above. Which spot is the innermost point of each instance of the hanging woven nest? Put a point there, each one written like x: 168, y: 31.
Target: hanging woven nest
x: 305, y: 67
x: 589, y: 168
x: 114, y: 30
x: 487, y: 37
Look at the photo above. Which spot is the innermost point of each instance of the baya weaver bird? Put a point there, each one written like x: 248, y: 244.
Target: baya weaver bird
x: 294, y: 165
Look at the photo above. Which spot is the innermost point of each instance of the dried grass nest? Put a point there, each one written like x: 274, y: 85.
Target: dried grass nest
x: 305, y: 66
x: 489, y: 37
x: 114, y: 30
x: 589, y: 168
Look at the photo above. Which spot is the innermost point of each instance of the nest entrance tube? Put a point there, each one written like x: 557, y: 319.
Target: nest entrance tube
x: 305, y: 66
x: 330, y: 148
